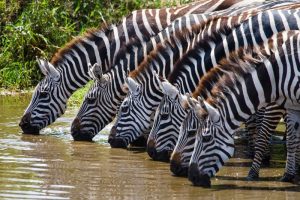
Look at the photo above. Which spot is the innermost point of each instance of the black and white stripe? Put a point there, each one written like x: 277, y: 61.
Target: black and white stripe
x: 136, y: 125
x: 261, y: 80
x: 97, y: 46
x: 132, y: 55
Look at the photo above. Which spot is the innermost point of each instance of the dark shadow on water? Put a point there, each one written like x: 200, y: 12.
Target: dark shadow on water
x: 137, y: 149
x: 230, y: 178
x: 295, y: 188
x: 273, y: 164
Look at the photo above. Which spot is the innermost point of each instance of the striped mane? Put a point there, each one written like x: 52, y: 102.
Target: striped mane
x: 222, y: 78
x: 90, y: 34
x: 167, y: 45
x: 202, y: 45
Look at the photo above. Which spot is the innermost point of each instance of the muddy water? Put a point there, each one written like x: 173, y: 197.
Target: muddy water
x: 52, y: 166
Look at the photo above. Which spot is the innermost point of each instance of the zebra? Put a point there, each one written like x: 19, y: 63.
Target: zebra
x: 253, y: 81
x: 143, y: 105
x: 68, y: 69
x: 92, y: 118
x: 182, y: 153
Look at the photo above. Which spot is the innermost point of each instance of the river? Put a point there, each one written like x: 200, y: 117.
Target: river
x: 53, y: 166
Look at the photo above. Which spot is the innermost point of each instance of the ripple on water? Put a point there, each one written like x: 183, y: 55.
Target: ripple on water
x: 53, y: 166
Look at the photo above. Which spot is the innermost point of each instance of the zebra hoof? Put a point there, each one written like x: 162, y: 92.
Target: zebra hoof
x: 252, y: 176
x: 117, y: 143
x: 287, y: 178
x: 178, y: 170
x: 198, y: 178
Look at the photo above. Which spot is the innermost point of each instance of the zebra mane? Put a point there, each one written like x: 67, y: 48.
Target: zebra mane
x: 178, y: 38
x: 202, y: 45
x: 223, y: 77
x: 90, y: 34
x: 129, y: 48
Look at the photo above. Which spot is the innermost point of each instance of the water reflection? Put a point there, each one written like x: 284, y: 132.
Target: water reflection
x: 53, y: 166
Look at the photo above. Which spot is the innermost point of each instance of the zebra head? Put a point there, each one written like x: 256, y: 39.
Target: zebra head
x: 182, y: 152
x: 137, y: 112
x: 167, y: 121
x: 213, y: 147
x: 134, y: 117
x: 48, y: 101
x: 95, y: 111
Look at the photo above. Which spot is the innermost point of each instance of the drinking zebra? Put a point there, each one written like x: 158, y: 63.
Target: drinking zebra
x: 68, y: 69
x: 100, y: 104
x: 246, y: 82
x: 138, y: 113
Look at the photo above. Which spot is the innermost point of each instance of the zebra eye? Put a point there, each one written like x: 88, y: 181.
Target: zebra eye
x: 164, y: 115
x: 90, y: 100
x: 124, y: 109
x: 191, y: 131
x: 206, y: 138
x: 43, y: 94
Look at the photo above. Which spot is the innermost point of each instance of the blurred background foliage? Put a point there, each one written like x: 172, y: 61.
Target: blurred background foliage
x: 38, y: 28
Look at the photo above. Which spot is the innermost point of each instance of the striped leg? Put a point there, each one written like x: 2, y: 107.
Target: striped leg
x: 293, y: 129
x: 266, y: 127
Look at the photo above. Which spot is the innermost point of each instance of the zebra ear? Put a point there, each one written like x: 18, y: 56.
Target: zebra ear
x: 202, y: 104
x: 48, y: 69
x: 169, y: 89
x: 212, y: 112
x: 191, y: 101
x: 95, y: 71
x: 133, y: 86
x: 158, y: 79
x: 183, y: 99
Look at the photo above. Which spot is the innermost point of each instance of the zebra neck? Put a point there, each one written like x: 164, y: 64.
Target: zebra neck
x: 250, y: 93
x: 73, y: 78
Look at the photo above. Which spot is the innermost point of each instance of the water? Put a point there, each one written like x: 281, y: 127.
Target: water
x: 53, y: 166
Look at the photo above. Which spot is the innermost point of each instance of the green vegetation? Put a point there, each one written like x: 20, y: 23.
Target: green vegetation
x: 30, y: 29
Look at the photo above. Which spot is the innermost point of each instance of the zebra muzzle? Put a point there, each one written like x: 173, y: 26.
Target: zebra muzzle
x: 198, y: 178
x: 78, y: 134
x: 117, y: 142
x: 27, y: 127
x: 177, y: 169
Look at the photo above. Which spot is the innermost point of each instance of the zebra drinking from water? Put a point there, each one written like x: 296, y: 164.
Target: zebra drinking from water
x: 68, y: 69
x: 254, y: 80
x: 140, y: 110
x: 94, y: 115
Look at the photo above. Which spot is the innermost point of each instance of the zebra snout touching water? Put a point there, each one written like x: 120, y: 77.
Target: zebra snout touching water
x: 46, y: 104
x: 94, y: 113
x: 180, y: 158
x: 236, y: 95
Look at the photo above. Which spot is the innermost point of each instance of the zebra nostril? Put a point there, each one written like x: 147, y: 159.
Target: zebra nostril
x: 150, y: 143
x: 177, y: 169
x: 198, y: 178
x: 151, y: 152
x: 117, y: 143
x: 25, y: 120
x: 113, y: 132
x: 76, y: 125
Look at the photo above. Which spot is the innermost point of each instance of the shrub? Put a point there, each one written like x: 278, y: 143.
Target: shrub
x: 30, y: 29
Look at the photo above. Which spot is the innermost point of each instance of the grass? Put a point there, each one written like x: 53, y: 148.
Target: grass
x: 30, y: 29
x: 77, y: 97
